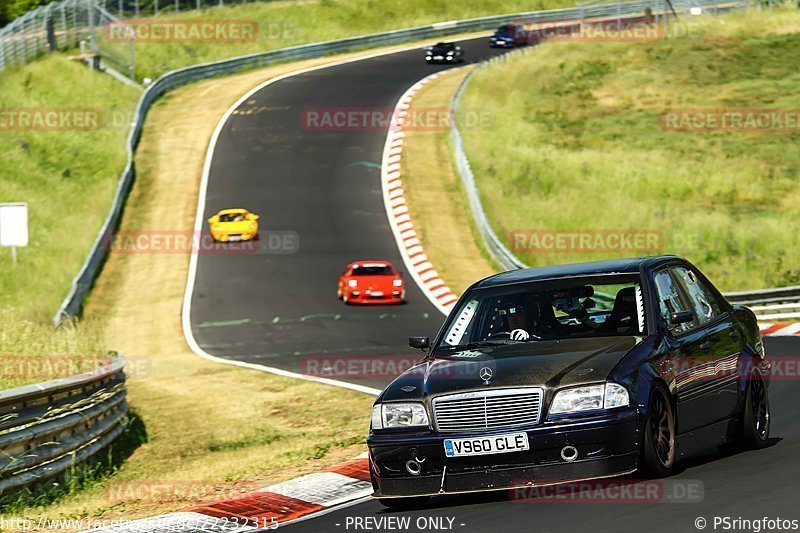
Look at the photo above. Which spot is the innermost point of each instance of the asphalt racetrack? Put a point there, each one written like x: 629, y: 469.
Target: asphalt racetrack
x: 281, y: 310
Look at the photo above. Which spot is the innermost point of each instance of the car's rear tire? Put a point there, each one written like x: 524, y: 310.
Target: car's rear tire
x: 658, y: 452
x: 405, y: 504
x: 756, y: 415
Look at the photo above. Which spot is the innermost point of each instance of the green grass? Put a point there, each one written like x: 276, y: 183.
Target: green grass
x: 67, y: 177
x: 290, y: 23
x: 577, y: 144
x: 32, y: 352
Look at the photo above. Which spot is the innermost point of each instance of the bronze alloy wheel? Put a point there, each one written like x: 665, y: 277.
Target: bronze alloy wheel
x: 662, y: 428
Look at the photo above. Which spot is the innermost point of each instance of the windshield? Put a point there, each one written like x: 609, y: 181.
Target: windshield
x: 231, y: 217
x: 503, y: 31
x: 547, y: 310
x: 372, y: 270
x: 444, y: 47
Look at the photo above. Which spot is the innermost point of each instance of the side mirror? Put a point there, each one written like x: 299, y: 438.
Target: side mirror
x: 681, y: 317
x: 423, y: 343
x: 254, y: 217
x: 212, y: 220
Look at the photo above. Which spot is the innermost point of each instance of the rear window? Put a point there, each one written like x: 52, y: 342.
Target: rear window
x: 372, y: 270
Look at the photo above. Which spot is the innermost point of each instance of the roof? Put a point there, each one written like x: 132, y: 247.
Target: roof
x: 232, y: 210
x: 376, y: 262
x: 614, y: 266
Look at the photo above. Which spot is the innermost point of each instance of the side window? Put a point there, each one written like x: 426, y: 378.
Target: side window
x: 670, y: 300
x: 705, y: 306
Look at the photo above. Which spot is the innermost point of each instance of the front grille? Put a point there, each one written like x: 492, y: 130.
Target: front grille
x: 495, y: 409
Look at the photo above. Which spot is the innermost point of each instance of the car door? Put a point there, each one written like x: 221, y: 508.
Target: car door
x: 688, y: 356
x: 722, y: 333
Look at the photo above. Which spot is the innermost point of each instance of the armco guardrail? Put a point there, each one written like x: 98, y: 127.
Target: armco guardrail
x: 48, y: 429
x: 82, y: 283
x: 770, y: 304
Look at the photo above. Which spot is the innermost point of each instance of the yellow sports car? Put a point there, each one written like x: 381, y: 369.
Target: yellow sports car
x: 234, y: 225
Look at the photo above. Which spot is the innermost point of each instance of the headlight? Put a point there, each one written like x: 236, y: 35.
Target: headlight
x: 216, y: 228
x: 428, y: 58
x: 398, y: 415
x: 397, y: 282
x: 252, y: 226
x: 590, y: 398
x: 352, y: 283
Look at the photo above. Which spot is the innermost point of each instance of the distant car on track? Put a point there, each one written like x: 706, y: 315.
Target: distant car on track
x: 230, y: 225
x: 565, y: 373
x: 509, y: 36
x: 371, y: 282
x: 444, y: 53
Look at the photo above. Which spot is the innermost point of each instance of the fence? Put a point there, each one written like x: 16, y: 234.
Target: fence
x: 48, y: 429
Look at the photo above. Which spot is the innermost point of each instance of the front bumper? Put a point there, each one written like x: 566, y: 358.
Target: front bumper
x: 365, y: 298
x: 607, y: 446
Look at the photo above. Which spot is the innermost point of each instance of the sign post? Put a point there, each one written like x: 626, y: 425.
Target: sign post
x: 14, y: 226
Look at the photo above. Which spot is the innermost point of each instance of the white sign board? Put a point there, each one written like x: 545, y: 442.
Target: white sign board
x: 14, y: 224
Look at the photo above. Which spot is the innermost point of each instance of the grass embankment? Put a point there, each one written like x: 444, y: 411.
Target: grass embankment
x: 288, y: 23
x: 66, y: 175
x: 204, y: 442
x: 578, y: 144
x: 435, y: 195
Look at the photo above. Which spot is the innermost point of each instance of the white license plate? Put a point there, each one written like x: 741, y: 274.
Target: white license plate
x: 512, y: 442
x: 376, y: 293
x: 234, y: 238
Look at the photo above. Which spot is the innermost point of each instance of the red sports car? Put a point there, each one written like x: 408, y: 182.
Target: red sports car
x: 371, y: 282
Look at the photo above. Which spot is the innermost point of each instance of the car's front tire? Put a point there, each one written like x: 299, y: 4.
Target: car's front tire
x: 658, y: 452
x: 405, y: 504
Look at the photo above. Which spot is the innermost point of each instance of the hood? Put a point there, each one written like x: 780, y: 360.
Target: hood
x: 551, y: 364
x: 235, y: 227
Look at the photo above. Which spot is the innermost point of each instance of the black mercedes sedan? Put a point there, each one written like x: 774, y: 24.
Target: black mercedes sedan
x: 550, y: 375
